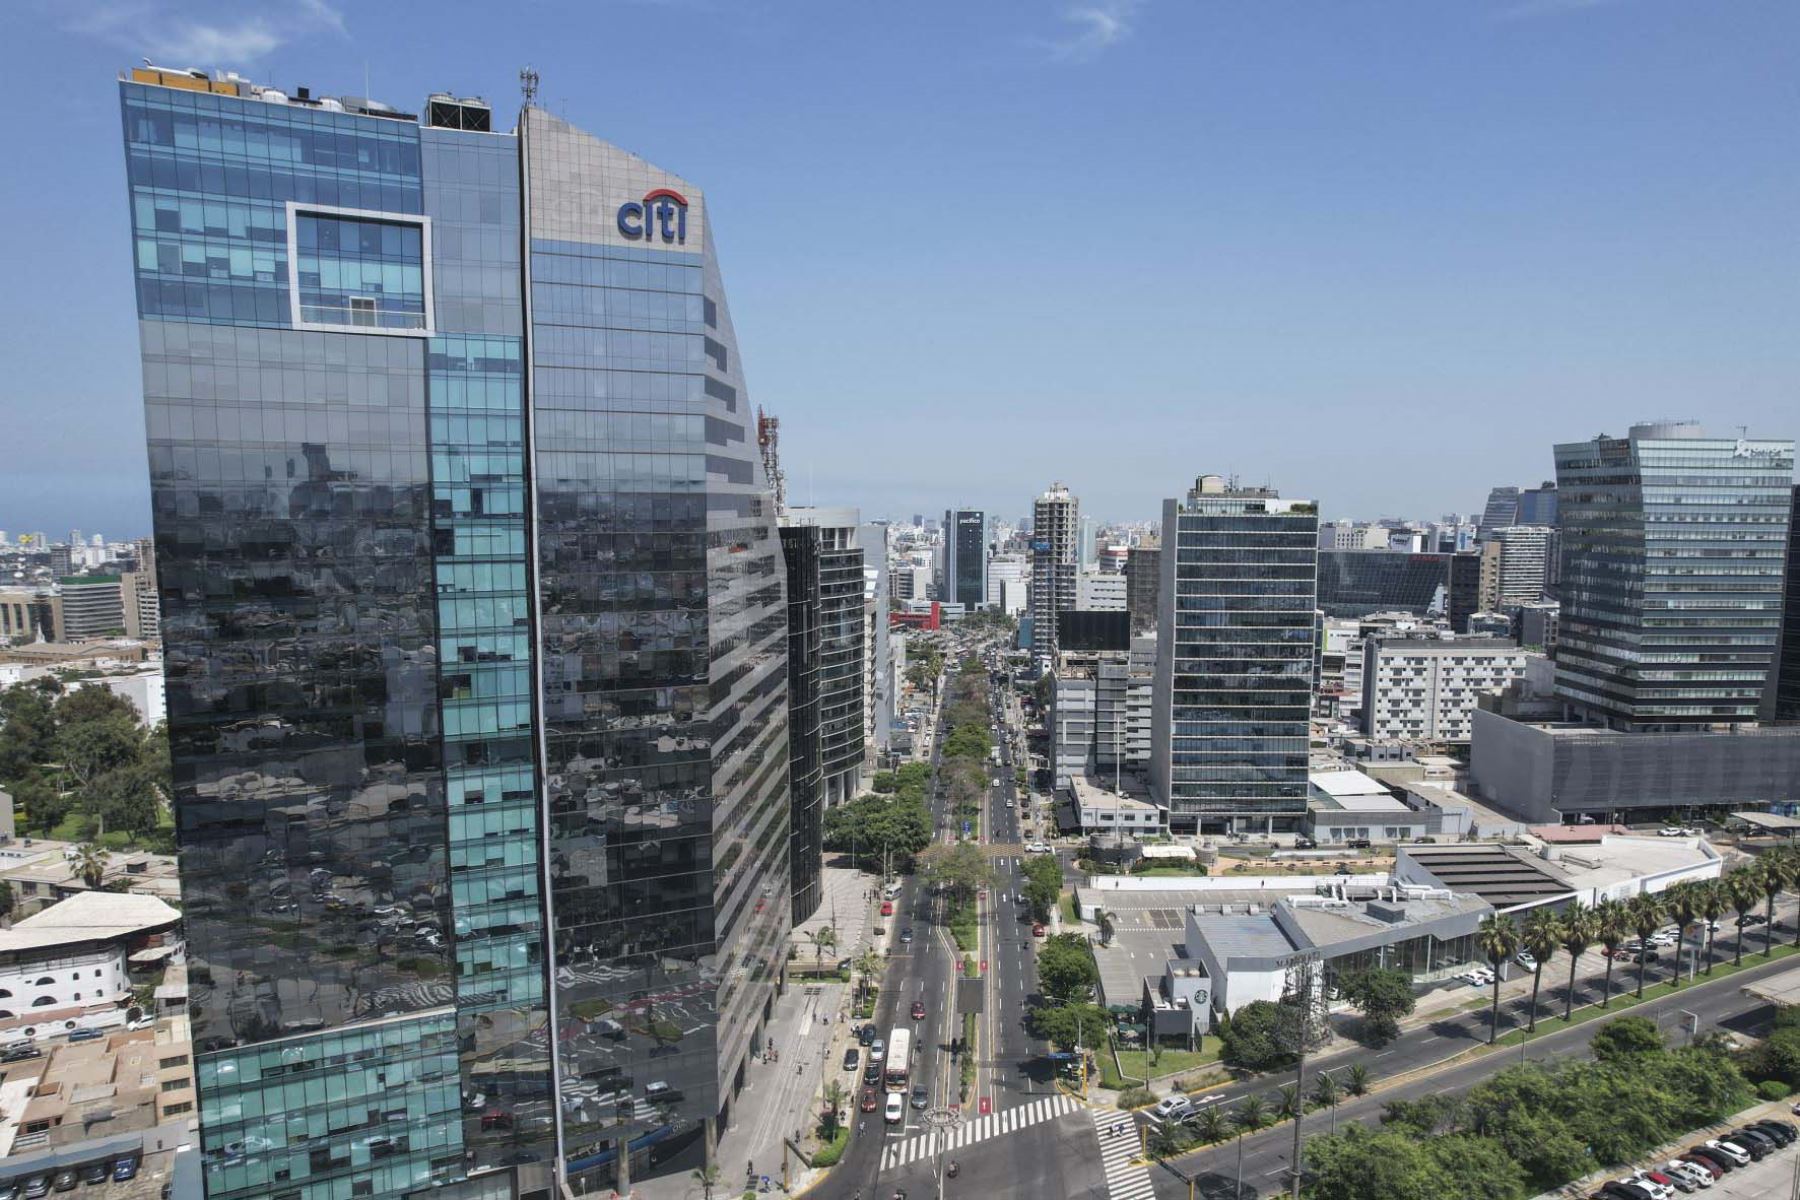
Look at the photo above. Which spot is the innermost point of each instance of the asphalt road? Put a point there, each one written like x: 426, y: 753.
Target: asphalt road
x: 1267, y: 1155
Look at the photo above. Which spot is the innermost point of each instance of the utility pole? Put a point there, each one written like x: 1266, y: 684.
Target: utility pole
x: 1306, y: 995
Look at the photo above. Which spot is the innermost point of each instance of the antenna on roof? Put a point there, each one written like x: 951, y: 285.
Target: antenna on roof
x: 528, y: 84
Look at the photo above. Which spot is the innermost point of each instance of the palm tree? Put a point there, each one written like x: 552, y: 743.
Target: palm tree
x: 1609, y: 928
x: 1645, y: 912
x: 1743, y: 889
x: 1577, y: 929
x: 1681, y: 902
x: 1251, y: 1115
x: 90, y: 863
x: 1498, y: 939
x: 834, y: 1101
x: 1212, y: 1124
x: 1712, y: 903
x: 1541, y: 937
x: 706, y: 1177
x: 823, y: 938
x: 1775, y: 871
x: 1356, y: 1080
x: 1325, y: 1094
x: 1289, y: 1106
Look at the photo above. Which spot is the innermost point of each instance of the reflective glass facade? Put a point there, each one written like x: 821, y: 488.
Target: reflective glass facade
x: 1787, y: 692
x: 1673, y: 548
x: 1234, y: 663
x: 806, y: 779
x: 475, y: 627
x: 965, y: 557
x: 1355, y: 583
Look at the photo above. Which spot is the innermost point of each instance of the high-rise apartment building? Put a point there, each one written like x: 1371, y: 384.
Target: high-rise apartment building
x: 1099, y: 592
x: 843, y: 721
x: 1673, y: 547
x: 1521, y: 566
x: 1234, y: 662
x: 1143, y: 579
x: 1008, y: 583
x: 965, y: 557
x: 476, y: 643
x: 1055, y: 563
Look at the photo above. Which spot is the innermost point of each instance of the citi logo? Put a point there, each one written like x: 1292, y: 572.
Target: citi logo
x: 662, y: 211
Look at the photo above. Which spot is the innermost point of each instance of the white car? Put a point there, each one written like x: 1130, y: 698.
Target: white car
x: 1525, y: 959
x: 1686, y: 1170
x: 1173, y: 1108
x: 877, y: 1050
x: 1658, y: 1191
x: 1669, y: 831
x: 1735, y: 1153
x: 896, y: 1108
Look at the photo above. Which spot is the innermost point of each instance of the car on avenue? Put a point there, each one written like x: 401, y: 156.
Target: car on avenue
x: 869, y: 1102
x: 896, y: 1108
x: 918, y: 1010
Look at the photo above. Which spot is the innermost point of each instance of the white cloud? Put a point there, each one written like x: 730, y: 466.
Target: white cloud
x: 151, y: 28
x: 1092, y: 29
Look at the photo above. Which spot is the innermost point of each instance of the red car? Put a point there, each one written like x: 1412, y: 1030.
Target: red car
x: 1037, y: 929
x: 869, y: 1103
x: 918, y: 1010
x: 887, y: 908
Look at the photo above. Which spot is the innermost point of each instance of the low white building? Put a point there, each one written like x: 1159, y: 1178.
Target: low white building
x: 1102, y: 810
x: 1099, y: 592
x: 63, y: 961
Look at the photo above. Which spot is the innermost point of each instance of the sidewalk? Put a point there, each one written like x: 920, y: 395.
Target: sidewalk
x: 809, y: 1031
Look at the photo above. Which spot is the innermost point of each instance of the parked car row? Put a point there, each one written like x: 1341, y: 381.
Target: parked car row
x: 1478, y: 977
x: 1703, y: 1165
x: 32, y: 1187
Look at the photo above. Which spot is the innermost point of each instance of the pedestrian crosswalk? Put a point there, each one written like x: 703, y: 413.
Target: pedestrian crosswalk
x: 1118, y: 1146
x: 980, y: 1129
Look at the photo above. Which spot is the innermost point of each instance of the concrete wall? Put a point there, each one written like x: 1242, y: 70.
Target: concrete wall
x: 1510, y: 765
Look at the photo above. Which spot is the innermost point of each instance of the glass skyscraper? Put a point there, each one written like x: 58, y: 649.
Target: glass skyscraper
x: 475, y: 633
x: 1234, y: 660
x: 965, y: 557
x: 1672, y: 562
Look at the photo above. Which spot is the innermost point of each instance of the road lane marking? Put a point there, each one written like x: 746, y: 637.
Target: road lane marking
x: 981, y: 1129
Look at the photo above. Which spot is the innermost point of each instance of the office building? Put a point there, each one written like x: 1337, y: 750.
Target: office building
x: 1143, y: 576
x: 806, y: 778
x: 1425, y: 688
x: 1537, y: 506
x: 965, y: 557
x: 476, y: 630
x: 881, y: 681
x: 1787, y: 686
x: 843, y: 721
x: 1055, y: 563
x: 1502, y: 510
x: 1463, y: 596
x: 1352, y: 535
x: 1124, y: 697
x: 93, y: 606
x: 1354, y: 583
x: 1673, y: 551
x: 1537, y: 626
x: 1234, y: 665
x: 1098, y: 592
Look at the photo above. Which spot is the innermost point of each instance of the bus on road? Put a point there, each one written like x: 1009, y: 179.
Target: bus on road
x: 899, y: 1058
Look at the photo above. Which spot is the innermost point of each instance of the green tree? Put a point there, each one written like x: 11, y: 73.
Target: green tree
x: 1212, y: 1124
x: 1711, y: 900
x: 1610, y: 925
x: 90, y: 864
x: 884, y: 783
x: 834, y: 1106
x: 1743, y: 889
x: 1288, y: 1104
x: 1363, y: 1164
x: 1645, y: 913
x: 27, y: 730
x: 1578, y: 933
x: 1775, y: 871
x: 89, y: 749
x: 960, y: 870
x: 1682, y: 904
x: 1540, y: 936
x: 1043, y: 884
x: 1066, y: 969
x: 1066, y: 1026
x: 124, y: 799
x: 708, y: 1178
x: 823, y: 938
x: 1356, y: 1079
x: 1497, y: 937
x: 6, y: 898
x: 1383, y: 996
x: 92, y: 702
x: 42, y: 804
x: 1255, y: 1039
x: 1626, y: 1037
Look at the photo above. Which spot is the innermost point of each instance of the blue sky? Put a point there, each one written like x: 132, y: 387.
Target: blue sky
x: 1378, y: 252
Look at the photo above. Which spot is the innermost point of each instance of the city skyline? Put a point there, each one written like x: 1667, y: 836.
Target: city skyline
x: 1494, y: 282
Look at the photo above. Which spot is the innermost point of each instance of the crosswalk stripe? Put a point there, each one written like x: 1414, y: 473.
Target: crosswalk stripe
x: 1124, y: 1179
x: 995, y: 1124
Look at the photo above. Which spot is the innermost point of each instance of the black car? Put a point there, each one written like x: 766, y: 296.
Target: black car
x: 906, y: 933
x: 1753, y: 1140
x: 852, y: 1056
x: 872, y: 1073
x: 866, y: 1034
x: 1645, y: 956
x: 1781, y: 1131
x: 919, y: 1096
x: 1624, y: 1189
x: 97, y: 1172
x: 1721, y: 1161
x: 65, y: 1181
